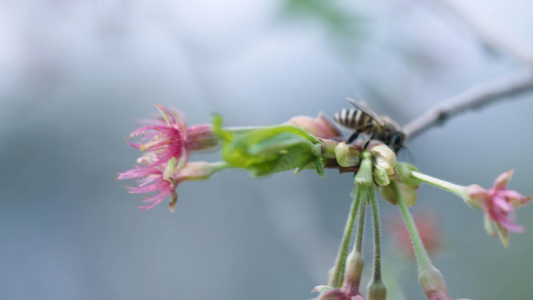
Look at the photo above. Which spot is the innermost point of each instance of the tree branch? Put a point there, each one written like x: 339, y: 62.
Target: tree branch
x: 473, y: 98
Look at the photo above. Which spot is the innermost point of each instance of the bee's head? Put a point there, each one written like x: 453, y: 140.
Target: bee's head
x: 397, y: 140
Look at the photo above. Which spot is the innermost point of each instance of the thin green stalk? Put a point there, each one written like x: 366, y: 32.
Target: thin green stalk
x: 429, y: 277
x: 376, y: 287
x: 338, y: 270
x: 219, y: 166
x: 355, y: 261
x: 377, y: 234
x: 421, y: 254
x: 360, y: 227
x: 445, y: 185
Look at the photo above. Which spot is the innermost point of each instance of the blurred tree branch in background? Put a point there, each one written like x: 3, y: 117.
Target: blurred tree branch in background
x: 475, y: 97
x: 501, y: 89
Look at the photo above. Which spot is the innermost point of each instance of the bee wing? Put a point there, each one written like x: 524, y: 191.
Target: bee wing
x: 367, y: 111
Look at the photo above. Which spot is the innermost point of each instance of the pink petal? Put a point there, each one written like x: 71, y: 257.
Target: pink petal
x: 501, y: 181
x: 167, y: 114
x: 138, y: 172
x: 157, y: 197
x: 501, y: 204
x: 158, y: 186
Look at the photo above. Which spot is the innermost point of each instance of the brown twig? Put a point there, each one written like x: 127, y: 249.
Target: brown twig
x: 485, y: 93
x: 473, y: 98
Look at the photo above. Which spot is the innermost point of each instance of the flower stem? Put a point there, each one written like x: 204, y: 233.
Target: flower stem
x: 376, y: 288
x: 360, y: 227
x: 377, y: 234
x: 355, y: 261
x: 338, y: 270
x: 429, y: 277
x: 445, y: 185
x: 420, y: 252
x: 219, y: 166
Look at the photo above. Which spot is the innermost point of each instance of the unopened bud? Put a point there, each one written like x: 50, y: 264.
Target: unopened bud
x: 380, y: 176
x: 384, y: 158
x: 354, y: 269
x: 433, y: 284
x: 347, y: 156
x: 364, y: 175
x: 319, y: 126
x: 377, y: 290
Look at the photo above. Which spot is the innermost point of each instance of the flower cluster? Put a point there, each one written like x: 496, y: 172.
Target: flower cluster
x: 498, y: 203
x: 316, y: 143
x: 168, y: 143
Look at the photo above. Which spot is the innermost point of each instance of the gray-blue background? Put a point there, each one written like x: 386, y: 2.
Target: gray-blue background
x: 75, y: 75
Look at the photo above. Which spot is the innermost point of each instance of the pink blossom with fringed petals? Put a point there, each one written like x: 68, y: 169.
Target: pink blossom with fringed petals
x: 150, y: 179
x: 499, y: 204
x: 166, y: 138
x: 164, y: 183
x: 169, y: 137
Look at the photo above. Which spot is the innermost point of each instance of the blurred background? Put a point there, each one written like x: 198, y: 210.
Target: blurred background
x: 76, y: 75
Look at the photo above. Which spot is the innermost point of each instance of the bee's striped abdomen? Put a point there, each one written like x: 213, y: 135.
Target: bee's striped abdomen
x: 353, y: 118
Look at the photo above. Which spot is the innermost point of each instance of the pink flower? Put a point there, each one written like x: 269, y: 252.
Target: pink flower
x: 499, y: 204
x: 164, y: 183
x: 150, y: 179
x: 169, y: 137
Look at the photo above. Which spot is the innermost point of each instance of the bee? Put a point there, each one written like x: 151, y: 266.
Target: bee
x: 363, y: 120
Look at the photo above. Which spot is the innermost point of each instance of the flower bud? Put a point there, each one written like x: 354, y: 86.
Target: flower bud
x: 354, y: 269
x: 380, y: 176
x: 347, y: 156
x: 377, y: 290
x: 384, y: 158
x: 319, y: 126
x: 364, y: 175
x: 433, y: 284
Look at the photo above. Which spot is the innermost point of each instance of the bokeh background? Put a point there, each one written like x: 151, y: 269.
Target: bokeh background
x: 76, y: 75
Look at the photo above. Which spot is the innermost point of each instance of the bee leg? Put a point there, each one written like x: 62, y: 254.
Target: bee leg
x: 370, y: 137
x: 353, y: 137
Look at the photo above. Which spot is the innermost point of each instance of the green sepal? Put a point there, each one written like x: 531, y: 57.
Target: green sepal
x: 503, y: 234
x: 408, y: 194
x: 267, y: 150
x: 224, y: 135
x: 404, y: 174
x: 320, y: 168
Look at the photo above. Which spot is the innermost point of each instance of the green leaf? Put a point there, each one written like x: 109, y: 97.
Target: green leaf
x: 267, y: 150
